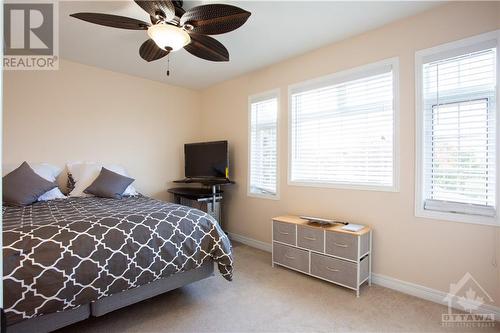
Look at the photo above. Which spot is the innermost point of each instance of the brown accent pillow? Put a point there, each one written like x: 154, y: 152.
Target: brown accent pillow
x: 109, y: 184
x: 23, y: 186
x: 70, y: 183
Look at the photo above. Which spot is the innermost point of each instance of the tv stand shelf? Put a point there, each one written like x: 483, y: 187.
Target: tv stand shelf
x: 207, y: 199
x: 194, y: 193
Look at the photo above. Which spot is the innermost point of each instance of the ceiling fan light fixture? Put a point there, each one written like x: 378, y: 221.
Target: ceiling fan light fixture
x: 175, y: 28
x: 167, y: 36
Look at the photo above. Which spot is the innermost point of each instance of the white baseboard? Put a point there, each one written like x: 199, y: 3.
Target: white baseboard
x: 426, y: 293
x: 250, y: 242
x: 405, y: 287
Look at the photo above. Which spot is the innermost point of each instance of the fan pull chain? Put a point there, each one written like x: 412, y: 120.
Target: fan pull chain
x: 168, y: 64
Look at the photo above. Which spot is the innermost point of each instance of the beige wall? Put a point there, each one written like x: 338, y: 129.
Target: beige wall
x: 85, y: 113
x: 427, y: 252
x: 82, y: 113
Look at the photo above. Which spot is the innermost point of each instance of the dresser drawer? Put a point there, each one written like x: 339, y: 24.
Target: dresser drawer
x: 310, y: 238
x: 342, y: 245
x: 334, y: 270
x: 284, y: 232
x: 291, y: 257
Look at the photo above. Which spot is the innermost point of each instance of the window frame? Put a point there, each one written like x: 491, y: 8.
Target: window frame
x: 444, y: 51
x: 338, y: 78
x: 270, y: 94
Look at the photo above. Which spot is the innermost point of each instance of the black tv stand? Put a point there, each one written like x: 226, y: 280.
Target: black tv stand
x: 193, y: 193
x: 209, y: 194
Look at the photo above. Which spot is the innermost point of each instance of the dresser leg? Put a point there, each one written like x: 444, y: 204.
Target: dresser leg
x: 370, y: 262
x: 370, y: 269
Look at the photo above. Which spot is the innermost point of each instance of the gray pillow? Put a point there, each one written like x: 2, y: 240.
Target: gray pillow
x: 23, y: 186
x: 109, y: 185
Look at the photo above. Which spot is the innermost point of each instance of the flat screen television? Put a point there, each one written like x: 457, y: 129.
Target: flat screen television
x: 206, y: 160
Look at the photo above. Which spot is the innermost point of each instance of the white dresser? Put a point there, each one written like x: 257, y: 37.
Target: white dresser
x: 325, y: 252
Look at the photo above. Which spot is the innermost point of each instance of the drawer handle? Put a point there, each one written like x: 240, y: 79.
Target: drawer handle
x: 340, y: 245
x: 284, y: 233
x: 310, y: 238
x: 332, y: 269
x: 289, y: 257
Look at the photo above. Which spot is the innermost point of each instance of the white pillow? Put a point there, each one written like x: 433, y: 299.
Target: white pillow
x: 50, y: 173
x: 85, y: 173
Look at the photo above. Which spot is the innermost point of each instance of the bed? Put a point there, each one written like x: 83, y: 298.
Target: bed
x: 65, y: 260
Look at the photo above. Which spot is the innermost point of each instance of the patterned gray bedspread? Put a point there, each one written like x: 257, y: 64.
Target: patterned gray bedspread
x: 64, y: 253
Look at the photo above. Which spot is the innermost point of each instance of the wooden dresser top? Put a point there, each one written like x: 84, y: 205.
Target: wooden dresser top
x: 335, y: 227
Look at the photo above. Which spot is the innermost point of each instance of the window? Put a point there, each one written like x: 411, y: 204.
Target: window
x: 343, y: 129
x: 456, y: 153
x: 263, y: 140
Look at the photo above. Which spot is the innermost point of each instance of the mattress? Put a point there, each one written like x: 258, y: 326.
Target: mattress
x: 61, y: 254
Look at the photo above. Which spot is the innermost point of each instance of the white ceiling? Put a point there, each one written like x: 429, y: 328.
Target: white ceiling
x: 277, y: 30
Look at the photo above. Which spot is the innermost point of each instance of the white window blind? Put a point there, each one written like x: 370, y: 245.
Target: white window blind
x: 459, y: 131
x: 342, y: 131
x: 263, y: 146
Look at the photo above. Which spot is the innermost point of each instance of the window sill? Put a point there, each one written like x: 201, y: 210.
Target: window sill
x: 263, y: 196
x: 457, y: 217
x: 344, y: 186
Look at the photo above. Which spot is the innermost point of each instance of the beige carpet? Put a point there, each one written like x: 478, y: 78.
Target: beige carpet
x: 266, y: 299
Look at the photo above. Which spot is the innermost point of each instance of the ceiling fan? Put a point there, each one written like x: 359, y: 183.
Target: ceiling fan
x: 173, y: 28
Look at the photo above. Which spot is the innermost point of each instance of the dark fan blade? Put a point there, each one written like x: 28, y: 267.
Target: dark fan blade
x: 179, y: 11
x: 178, y: 3
x: 164, y: 8
x: 214, y: 19
x: 149, y: 51
x: 207, y: 48
x: 113, y: 21
x: 154, y: 20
